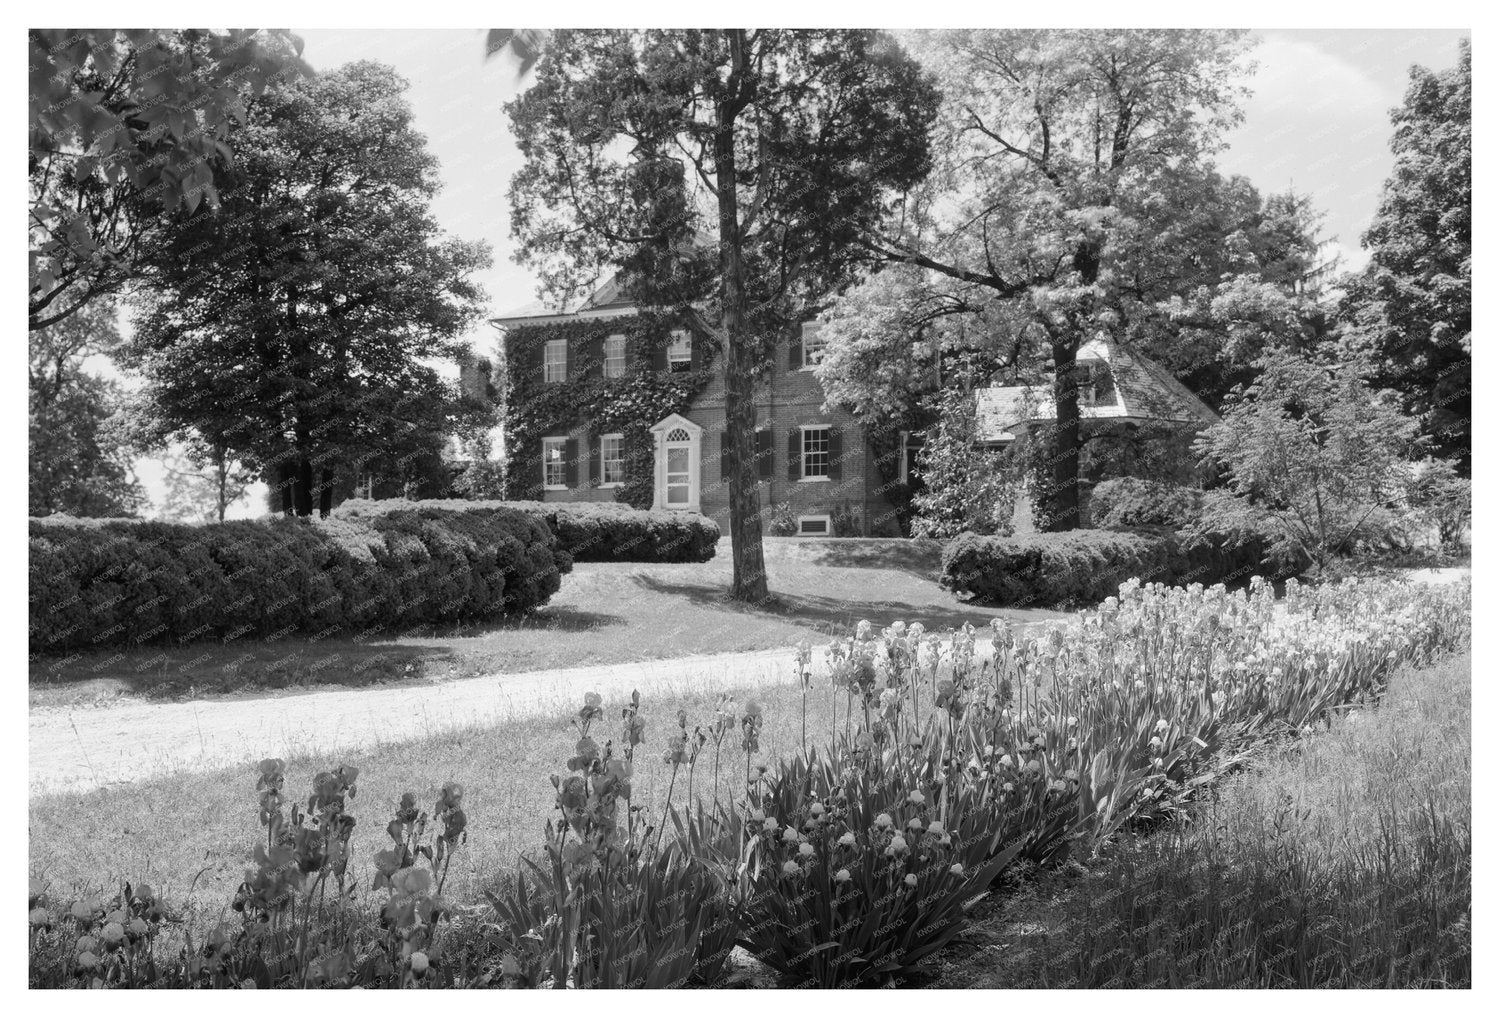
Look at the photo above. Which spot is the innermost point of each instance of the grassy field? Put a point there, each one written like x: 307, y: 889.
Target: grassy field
x: 605, y: 613
x: 195, y: 831
x: 1342, y: 860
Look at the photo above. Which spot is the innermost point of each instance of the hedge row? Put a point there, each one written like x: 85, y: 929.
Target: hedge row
x: 1086, y: 566
x: 590, y: 531
x: 113, y: 583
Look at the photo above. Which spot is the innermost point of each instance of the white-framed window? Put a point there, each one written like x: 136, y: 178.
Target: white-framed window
x: 611, y: 460
x: 680, y: 351
x: 814, y: 526
x: 555, y: 361
x: 554, y: 469
x: 614, y: 357
x: 815, y: 452
x: 812, y: 345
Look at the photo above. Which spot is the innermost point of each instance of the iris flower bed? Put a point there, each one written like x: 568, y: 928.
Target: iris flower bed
x: 850, y: 863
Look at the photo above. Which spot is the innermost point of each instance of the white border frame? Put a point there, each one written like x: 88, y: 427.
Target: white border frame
x: 802, y: 453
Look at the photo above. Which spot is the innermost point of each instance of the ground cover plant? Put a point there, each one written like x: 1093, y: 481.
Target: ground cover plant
x: 930, y: 765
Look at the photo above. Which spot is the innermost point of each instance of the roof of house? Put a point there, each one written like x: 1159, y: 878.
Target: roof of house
x: 1143, y: 391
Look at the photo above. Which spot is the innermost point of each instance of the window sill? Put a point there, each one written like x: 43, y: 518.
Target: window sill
x: 805, y: 480
x: 556, y: 487
x: 613, y: 484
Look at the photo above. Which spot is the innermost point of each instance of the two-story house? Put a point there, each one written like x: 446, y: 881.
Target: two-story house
x: 606, y: 404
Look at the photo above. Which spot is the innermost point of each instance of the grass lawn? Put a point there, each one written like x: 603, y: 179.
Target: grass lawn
x: 605, y: 613
x: 197, y: 830
x: 1340, y: 860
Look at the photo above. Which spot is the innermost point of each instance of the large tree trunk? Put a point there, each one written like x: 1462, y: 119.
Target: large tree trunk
x: 739, y: 405
x: 325, y: 493
x: 1062, y: 501
x: 303, y: 490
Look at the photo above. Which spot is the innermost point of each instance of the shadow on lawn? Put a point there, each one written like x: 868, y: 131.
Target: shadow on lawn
x: 211, y: 669
x: 838, y: 616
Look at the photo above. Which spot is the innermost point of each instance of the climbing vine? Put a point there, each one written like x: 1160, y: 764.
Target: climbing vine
x: 629, y: 405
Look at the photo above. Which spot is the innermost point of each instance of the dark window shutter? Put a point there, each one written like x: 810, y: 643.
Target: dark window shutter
x: 794, y: 356
x: 794, y: 454
x: 595, y: 367
x: 570, y: 463
x: 595, y: 444
x: 696, y: 344
x: 723, y: 455
x: 763, y: 457
x: 835, y: 455
x: 567, y: 360
x: 659, y: 357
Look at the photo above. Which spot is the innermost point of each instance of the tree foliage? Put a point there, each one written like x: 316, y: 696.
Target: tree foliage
x: 126, y: 124
x: 1068, y: 157
x: 1313, y: 456
x: 1412, y: 306
x: 722, y: 174
x: 964, y: 488
x: 293, y: 326
x: 79, y: 458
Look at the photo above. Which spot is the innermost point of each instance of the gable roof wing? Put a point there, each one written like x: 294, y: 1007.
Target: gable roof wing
x: 1144, y: 390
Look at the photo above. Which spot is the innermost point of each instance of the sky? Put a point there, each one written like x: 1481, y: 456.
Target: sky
x: 1318, y: 121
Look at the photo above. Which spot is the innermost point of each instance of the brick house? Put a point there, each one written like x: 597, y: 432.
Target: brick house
x: 604, y: 403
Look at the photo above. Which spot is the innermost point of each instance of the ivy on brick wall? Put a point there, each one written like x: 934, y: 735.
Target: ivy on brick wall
x: 629, y: 405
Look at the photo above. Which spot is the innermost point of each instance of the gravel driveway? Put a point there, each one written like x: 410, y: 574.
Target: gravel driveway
x: 79, y: 749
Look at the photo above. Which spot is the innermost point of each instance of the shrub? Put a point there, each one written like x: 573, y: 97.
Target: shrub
x: 587, y: 531
x: 102, y: 583
x: 1086, y: 566
x: 1131, y: 502
x: 964, y: 488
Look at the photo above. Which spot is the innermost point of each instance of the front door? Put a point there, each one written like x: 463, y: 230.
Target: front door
x: 679, y: 473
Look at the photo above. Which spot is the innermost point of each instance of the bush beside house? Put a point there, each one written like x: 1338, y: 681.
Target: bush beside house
x: 587, y: 531
x: 1086, y: 566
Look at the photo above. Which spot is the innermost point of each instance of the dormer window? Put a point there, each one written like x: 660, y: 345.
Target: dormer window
x: 1096, y: 385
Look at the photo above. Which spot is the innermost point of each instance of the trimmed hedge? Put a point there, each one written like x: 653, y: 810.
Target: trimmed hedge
x: 1124, y: 502
x: 588, y: 531
x: 1086, y: 566
x: 112, y: 583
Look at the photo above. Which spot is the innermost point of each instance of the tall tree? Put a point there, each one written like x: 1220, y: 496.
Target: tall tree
x: 79, y: 459
x: 1411, y: 307
x: 124, y: 125
x: 294, y: 325
x: 202, y: 483
x: 782, y: 146
x: 1060, y: 149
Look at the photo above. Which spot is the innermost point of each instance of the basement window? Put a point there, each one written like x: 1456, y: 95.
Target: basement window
x: 814, y: 526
